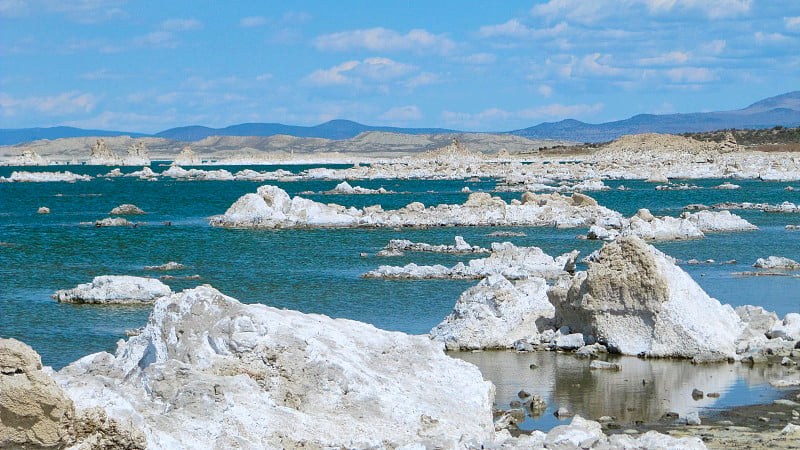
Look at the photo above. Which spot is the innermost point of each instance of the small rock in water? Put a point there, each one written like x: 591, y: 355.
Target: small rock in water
x: 127, y: 209
x: 697, y: 394
x: 43, y: 210
x: 536, y: 406
x: 523, y: 394
x: 786, y: 361
x: 515, y: 404
x: 713, y: 395
x: 563, y: 413
x: 533, y: 366
x: 693, y: 418
x: 763, y: 419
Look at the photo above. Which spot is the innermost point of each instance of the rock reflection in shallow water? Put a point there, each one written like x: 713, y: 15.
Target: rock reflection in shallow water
x: 644, y: 390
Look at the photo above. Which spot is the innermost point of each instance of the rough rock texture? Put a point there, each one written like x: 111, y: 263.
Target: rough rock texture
x: 43, y: 210
x: 40, y: 177
x: 113, y: 222
x: 120, y: 289
x: 101, y: 154
x: 127, y: 209
x: 581, y: 433
x: 172, y: 265
x: 210, y: 371
x: 635, y: 300
x: 776, y: 262
x: 34, y: 411
x: 506, y: 259
x: 718, y: 221
x: 460, y: 247
x: 345, y: 188
x: 187, y: 157
x: 651, y: 228
x: 271, y: 207
x: 495, y: 314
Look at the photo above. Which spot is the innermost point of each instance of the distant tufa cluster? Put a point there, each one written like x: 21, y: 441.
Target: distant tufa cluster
x: 101, y: 154
x: 454, y: 154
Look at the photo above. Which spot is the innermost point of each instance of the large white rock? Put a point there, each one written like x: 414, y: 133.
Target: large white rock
x: 277, y: 210
x: 208, y: 371
x: 635, y: 300
x: 495, y: 314
x: 119, y: 289
x: 788, y: 328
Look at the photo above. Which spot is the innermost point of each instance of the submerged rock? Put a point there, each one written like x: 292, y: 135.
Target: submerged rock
x: 172, y: 265
x: 496, y: 314
x: 635, y: 300
x: 209, y: 371
x: 718, y: 221
x: 117, y: 289
x: 40, y: 177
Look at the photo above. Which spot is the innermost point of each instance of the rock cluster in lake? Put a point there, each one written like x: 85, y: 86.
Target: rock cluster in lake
x: 272, y: 207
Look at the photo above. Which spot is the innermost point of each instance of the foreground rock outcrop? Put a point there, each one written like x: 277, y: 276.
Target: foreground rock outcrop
x: 116, y: 289
x: 272, y: 207
x: 495, y: 314
x: 635, y: 300
x: 210, y: 371
x: 34, y: 411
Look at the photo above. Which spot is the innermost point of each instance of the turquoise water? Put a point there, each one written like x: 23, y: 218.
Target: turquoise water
x: 309, y: 270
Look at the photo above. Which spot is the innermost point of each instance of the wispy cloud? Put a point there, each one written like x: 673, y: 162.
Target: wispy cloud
x: 157, y: 39
x: 65, y: 103
x: 402, y: 114
x: 182, y: 25
x: 252, y: 22
x: 792, y: 23
x: 666, y: 59
x: 385, y: 40
x: 358, y: 73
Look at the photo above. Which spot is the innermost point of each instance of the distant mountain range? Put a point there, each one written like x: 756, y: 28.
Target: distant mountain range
x: 783, y: 110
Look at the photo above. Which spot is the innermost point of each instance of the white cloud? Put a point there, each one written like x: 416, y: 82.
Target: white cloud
x: 598, y: 64
x: 595, y: 11
x: 691, y: 75
x: 80, y: 11
x: 402, y: 114
x: 126, y: 121
x: 514, y: 28
x: 423, y: 79
x: 577, y: 10
x: 252, y: 22
x: 666, y: 59
x: 498, y: 118
x: 545, y: 91
x: 770, y: 38
x: 385, y: 40
x: 477, y: 59
x: 713, y: 9
x: 181, y: 25
x: 156, y: 39
x: 792, y: 23
x: 71, y: 102
x: 359, y: 72
x: 264, y: 77
x: 101, y: 74
x: 714, y: 47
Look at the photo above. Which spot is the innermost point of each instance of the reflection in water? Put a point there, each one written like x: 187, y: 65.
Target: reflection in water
x: 644, y: 390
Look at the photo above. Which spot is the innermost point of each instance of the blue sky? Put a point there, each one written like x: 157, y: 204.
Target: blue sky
x: 146, y: 66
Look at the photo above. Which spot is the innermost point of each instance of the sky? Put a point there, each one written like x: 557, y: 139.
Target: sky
x: 146, y: 66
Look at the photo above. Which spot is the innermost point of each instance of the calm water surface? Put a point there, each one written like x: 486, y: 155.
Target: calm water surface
x: 318, y: 270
